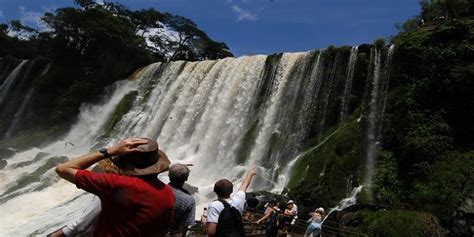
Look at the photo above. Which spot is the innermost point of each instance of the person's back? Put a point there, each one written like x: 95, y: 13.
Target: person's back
x: 185, y: 206
x: 134, y: 203
x: 314, y: 227
x: 230, y: 222
x: 252, y: 203
x: 133, y: 207
x: 216, y: 208
x: 271, y: 219
x: 223, y: 188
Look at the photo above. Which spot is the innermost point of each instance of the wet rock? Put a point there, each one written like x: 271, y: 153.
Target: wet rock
x: 380, y: 221
x: 41, y: 155
x: 3, y: 163
x: 6, y: 153
x: 463, y: 220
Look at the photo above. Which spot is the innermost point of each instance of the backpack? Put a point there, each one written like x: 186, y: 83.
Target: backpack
x: 230, y: 222
x: 272, y: 220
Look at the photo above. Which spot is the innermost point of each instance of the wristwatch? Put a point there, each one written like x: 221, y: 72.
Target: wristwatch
x: 104, y: 152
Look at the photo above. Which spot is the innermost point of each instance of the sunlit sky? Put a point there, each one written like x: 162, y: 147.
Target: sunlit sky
x: 262, y: 26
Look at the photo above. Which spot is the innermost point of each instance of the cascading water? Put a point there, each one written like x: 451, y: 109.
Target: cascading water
x: 222, y: 116
x: 380, y: 82
x: 348, y: 86
x: 10, y: 80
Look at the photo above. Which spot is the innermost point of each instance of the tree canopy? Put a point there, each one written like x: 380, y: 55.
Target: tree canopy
x: 92, y: 45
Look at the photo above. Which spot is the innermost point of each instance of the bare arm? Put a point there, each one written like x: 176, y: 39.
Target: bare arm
x: 211, y: 229
x: 57, y: 233
x: 268, y: 212
x: 68, y: 169
x: 248, y: 178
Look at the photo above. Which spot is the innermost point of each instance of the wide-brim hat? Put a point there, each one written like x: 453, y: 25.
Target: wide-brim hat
x: 149, y: 159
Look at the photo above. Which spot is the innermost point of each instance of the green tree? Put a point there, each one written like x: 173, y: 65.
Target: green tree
x: 86, y: 3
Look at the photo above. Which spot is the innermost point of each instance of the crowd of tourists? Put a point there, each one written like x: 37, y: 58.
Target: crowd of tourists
x: 130, y: 200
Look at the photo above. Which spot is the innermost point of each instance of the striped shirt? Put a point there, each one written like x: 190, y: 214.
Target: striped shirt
x: 184, y: 209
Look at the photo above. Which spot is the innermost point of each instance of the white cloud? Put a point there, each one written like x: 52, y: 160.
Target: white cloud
x: 243, y: 14
x: 34, y: 18
x: 1, y: 14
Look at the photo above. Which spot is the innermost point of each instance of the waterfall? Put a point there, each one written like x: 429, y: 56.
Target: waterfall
x: 380, y: 80
x: 348, y: 85
x: 10, y: 80
x: 349, y: 201
x: 19, y: 114
x: 220, y: 115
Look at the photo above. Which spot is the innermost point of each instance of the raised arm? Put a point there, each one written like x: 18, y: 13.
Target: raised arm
x: 68, y: 169
x: 248, y: 178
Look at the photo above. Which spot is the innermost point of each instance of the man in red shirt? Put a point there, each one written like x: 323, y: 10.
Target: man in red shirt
x: 134, y: 203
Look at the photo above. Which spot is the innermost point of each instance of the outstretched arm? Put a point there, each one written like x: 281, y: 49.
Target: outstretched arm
x: 267, y: 214
x: 68, y: 169
x: 248, y: 178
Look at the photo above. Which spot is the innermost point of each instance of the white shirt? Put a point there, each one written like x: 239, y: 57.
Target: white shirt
x: 237, y: 200
x: 85, y: 225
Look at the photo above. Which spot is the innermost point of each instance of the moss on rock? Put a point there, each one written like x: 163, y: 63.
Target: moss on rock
x: 122, y: 108
x: 399, y: 223
x: 322, y: 174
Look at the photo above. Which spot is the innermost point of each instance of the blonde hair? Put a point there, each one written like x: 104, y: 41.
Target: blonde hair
x: 108, y: 167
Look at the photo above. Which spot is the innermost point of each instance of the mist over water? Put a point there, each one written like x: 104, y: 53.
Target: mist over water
x: 222, y: 116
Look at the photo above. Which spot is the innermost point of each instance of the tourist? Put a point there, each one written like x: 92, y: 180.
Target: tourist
x: 294, y: 210
x: 289, y: 215
x: 134, y: 203
x: 314, y: 226
x: 184, y: 206
x: 252, y: 203
x: 230, y: 206
x: 183, y: 212
x: 85, y: 224
x: 271, y: 217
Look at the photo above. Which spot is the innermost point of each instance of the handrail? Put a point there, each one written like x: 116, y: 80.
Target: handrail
x: 331, y: 228
x: 300, y: 225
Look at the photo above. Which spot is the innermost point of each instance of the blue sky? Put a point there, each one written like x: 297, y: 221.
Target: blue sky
x: 262, y: 26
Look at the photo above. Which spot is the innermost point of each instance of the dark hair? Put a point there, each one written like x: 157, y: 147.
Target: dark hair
x: 273, y: 201
x: 178, y: 173
x: 223, y: 188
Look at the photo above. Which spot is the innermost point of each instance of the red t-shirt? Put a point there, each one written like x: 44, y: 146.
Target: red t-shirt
x: 131, y: 206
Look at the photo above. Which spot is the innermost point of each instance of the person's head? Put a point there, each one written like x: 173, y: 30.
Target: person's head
x: 320, y: 210
x: 289, y: 206
x: 178, y: 174
x: 147, y: 160
x: 223, y: 188
x: 272, y: 203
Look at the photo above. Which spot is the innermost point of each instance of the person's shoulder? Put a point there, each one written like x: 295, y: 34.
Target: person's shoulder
x: 238, y: 195
x: 96, y: 175
x: 180, y: 191
x: 217, y: 205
